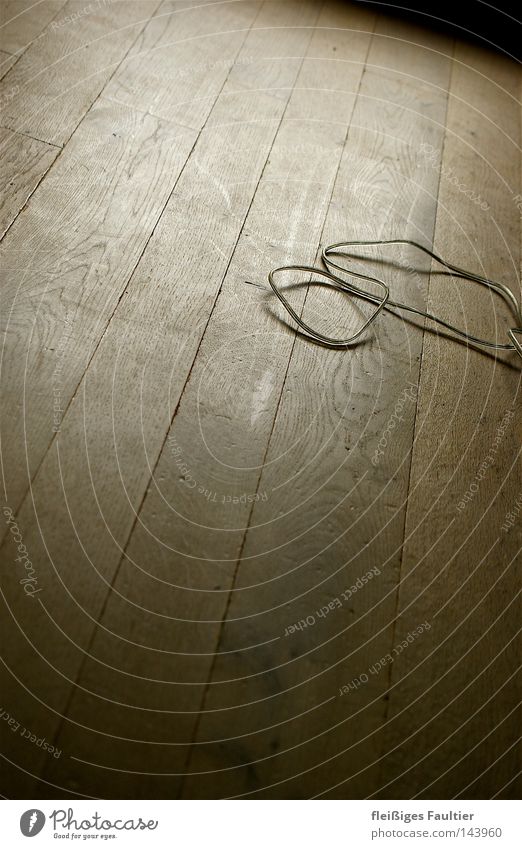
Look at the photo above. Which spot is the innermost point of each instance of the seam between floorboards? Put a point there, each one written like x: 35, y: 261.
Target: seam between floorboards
x: 138, y: 510
x: 146, y: 112
x: 19, y: 53
x: 71, y: 134
x: 62, y: 148
x: 29, y: 136
x: 53, y: 164
x: 276, y: 412
x: 132, y: 272
x: 386, y: 717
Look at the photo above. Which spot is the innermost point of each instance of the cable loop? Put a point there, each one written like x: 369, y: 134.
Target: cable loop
x: 382, y: 301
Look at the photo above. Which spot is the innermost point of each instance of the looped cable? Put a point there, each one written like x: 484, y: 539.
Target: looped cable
x: 383, y: 301
x: 336, y: 283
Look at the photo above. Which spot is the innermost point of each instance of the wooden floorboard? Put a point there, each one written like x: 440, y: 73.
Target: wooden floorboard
x: 452, y: 730
x: 25, y: 162
x: 60, y: 75
x: 24, y: 21
x: 7, y: 60
x: 189, y: 477
x: 323, y: 510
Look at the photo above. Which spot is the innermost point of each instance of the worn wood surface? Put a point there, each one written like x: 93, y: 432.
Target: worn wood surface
x: 24, y: 21
x: 190, y: 479
x: 24, y: 162
x: 61, y: 73
x: 7, y: 61
x: 450, y: 728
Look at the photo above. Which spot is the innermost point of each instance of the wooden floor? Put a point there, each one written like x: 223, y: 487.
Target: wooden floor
x: 235, y: 563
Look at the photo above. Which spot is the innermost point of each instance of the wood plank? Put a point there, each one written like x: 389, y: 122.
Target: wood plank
x: 62, y: 73
x: 181, y: 60
x: 328, y: 520
x: 53, y: 238
x: 258, y: 414
x: 453, y: 715
x: 65, y: 273
x: 197, y: 225
x: 25, y: 162
x: 7, y: 60
x: 239, y: 441
x: 23, y: 21
x: 76, y: 164
x: 64, y: 281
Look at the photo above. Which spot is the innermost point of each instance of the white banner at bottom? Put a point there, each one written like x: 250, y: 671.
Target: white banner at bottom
x: 260, y: 824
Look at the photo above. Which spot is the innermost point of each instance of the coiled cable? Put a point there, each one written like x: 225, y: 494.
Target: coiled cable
x: 383, y: 301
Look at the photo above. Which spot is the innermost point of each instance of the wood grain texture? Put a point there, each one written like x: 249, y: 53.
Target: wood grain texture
x: 24, y: 162
x: 233, y: 151
x: 65, y: 272
x: 188, y: 478
x: 60, y: 75
x: 455, y: 695
x: 23, y: 21
x: 328, y: 520
x: 65, y: 276
x: 227, y: 148
x: 179, y: 63
x: 7, y: 60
